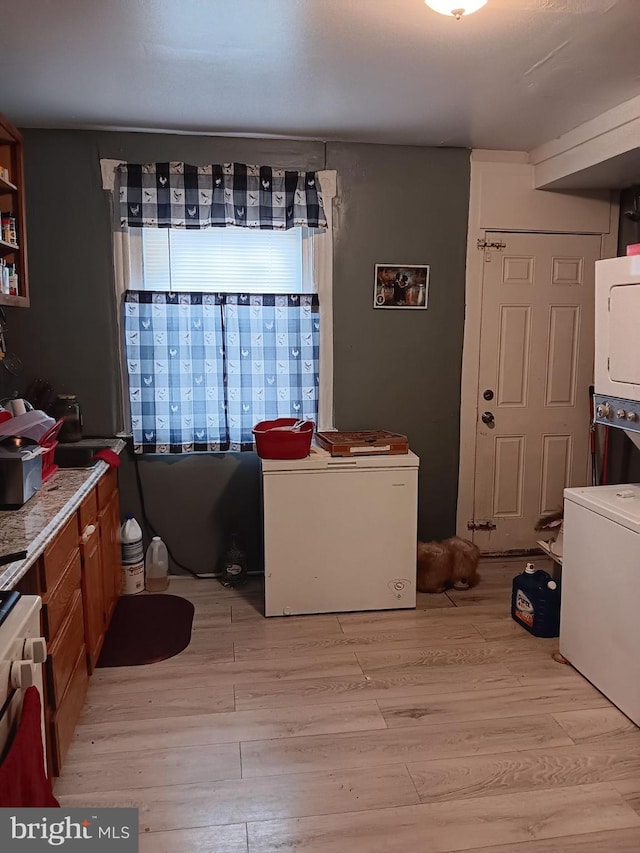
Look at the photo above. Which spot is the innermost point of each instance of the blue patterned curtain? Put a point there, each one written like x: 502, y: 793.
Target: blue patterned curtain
x: 272, y: 359
x: 174, y: 348
x: 204, y: 368
x: 178, y: 195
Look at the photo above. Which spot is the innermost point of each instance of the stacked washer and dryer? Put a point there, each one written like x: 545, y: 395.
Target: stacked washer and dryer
x: 600, y: 625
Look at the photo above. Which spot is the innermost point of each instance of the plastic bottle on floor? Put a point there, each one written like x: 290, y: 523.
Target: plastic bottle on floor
x: 131, y: 539
x: 132, y: 557
x: 535, y: 602
x: 156, y: 566
x: 233, y: 563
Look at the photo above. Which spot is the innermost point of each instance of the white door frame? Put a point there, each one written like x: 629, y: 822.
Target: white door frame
x: 503, y: 198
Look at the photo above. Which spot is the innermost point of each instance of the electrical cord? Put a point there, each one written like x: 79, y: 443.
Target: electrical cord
x: 150, y: 526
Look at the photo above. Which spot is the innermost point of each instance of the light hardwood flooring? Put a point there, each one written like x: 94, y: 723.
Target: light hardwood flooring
x: 433, y: 730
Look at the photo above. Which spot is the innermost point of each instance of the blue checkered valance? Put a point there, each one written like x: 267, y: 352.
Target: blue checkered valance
x: 177, y: 195
x: 204, y: 368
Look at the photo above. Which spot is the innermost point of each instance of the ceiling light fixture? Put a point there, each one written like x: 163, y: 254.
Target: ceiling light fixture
x: 457, y: 8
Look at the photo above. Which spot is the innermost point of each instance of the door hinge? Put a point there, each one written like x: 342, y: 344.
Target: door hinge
x: 490, y: 244
x: 480, y: 525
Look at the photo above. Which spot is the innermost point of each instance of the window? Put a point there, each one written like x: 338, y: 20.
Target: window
x: 228, y: 260
x: 237, y: 267
x: 204, y: 368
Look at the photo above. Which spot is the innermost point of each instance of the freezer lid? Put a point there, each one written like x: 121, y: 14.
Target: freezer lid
x: 321, y: 460
x: 617, y: 503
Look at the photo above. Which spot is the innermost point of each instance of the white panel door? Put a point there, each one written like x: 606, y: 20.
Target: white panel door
x: 536, y: 366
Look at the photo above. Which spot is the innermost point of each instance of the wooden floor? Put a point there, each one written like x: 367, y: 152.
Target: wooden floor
x: 438, y: 729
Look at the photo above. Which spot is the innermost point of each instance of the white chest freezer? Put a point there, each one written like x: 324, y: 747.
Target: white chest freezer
x: 599, y: 626
x: 340, y: 533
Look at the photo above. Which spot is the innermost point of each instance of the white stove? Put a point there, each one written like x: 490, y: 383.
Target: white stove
x: 22, y: 653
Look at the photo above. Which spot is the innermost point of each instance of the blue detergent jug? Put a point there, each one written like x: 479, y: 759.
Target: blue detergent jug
x: 535, y: 602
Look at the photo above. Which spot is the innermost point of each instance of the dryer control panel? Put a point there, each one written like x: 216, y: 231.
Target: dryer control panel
x: 614, y: 411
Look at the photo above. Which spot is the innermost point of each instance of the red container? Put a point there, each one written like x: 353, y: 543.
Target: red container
x: 49, y: 442
x: 49, y: 468
x: 276, y: 440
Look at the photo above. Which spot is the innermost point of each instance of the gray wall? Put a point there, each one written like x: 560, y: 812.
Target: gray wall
x: 397, y: 370
x: 400, y: 370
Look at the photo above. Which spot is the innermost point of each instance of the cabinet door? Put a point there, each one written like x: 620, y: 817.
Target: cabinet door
x: 93, y: 593
x: 109, y: 520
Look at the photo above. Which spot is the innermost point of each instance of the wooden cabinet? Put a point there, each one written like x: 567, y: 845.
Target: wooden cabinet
x: 110, y: 551
x: 56, y: 604
x: 59, y: 572
x: 64, y: 718
x: 13, y: 247
x: 99, y: 517
x: 78, y: 578
x: 92, y: 593
x: 57, y: 554
x: 64, y: 650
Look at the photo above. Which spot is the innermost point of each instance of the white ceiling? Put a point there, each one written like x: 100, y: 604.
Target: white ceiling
x: 512, y: 76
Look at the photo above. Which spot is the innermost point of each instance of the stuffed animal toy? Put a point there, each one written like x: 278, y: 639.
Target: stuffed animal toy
x: 451, y: 563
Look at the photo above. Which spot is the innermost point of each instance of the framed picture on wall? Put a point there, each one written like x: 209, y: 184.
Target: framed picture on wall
x: 401, y: 286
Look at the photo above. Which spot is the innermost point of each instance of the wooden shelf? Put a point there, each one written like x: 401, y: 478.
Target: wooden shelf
x: 8, y: 247
x: 12, y: 200
x: 7, y: 185
x: 16, y: 301
x: 546, y: 547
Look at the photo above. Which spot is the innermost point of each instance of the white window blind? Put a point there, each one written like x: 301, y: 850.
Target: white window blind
x: 244, y: 260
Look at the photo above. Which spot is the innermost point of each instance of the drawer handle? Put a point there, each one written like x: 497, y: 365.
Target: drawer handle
x: 88, y: 532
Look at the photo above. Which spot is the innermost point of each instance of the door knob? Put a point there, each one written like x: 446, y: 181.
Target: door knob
x: 488, y: 418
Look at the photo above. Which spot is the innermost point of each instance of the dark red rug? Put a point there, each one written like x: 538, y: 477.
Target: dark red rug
x: 147, y: 629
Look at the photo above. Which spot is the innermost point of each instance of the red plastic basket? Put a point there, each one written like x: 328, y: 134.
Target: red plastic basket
x: 49, y: 468
x: 276, y: 440
x: 49, y: 442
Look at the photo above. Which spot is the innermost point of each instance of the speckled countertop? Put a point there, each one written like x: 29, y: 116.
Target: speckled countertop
x: 32, y: 527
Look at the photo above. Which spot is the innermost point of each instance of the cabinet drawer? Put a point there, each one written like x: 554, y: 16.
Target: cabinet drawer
x: 58, y: 553
x: 64, y: 720
x: 64, y: 650
x: 106, y: 487
x: 88, y: 511
x: 56, y: 603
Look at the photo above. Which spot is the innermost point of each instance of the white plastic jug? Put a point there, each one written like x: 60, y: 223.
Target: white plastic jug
x: 131, y: 539
x: 156, y: 566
